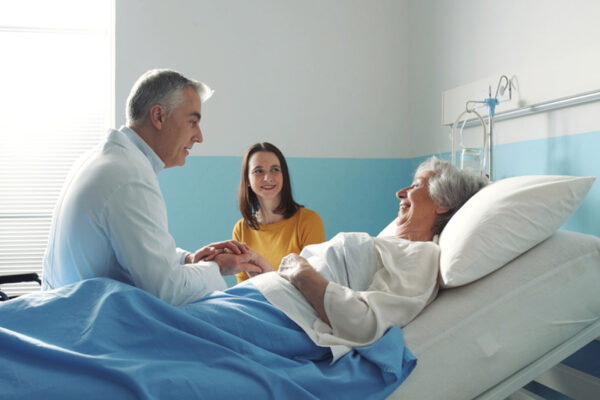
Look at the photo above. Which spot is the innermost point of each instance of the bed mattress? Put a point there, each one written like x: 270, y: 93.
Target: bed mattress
x: 474, y: 337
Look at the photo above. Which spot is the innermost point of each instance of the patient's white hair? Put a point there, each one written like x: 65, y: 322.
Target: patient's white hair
x: 449, y: 187
x: 160, y: 86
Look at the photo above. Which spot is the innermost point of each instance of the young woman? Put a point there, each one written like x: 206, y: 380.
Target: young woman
x: 272, y: 223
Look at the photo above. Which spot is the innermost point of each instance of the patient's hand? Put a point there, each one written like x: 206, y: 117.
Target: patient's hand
x: 293, y: 266
x: 307, y: 280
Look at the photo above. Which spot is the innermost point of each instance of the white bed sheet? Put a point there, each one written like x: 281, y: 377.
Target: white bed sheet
x: 473, y: 337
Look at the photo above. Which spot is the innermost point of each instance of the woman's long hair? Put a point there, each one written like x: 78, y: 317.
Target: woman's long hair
x: 249, y: 203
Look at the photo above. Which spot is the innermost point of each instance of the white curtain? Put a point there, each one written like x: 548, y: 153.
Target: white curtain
x: 56, y: 102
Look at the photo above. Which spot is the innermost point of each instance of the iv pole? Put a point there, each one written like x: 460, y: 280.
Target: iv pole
x: 491, y: 102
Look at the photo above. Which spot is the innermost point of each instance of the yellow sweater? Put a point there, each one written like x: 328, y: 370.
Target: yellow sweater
x: 274, y: 241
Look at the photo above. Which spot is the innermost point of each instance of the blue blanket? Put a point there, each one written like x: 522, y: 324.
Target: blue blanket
x: 103, y: 339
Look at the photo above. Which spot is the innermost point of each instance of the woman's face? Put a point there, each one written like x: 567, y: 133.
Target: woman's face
x: 418, y: 211
x: 264, y: 175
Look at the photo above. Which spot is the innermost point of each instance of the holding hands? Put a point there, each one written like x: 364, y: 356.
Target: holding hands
x: 232, y: 257
x: 208, y: 253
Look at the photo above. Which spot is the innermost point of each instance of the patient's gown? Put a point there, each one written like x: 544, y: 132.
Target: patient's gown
x: 375, y: 283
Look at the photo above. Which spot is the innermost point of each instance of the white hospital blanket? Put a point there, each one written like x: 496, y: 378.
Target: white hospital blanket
x: 375, y: 283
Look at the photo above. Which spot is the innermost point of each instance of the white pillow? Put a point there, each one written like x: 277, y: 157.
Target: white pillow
x: 503, y: 220
x: 389, y: 230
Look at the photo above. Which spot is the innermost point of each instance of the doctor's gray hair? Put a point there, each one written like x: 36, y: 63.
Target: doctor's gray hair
x: 163, y: 87
x: 449, y: 187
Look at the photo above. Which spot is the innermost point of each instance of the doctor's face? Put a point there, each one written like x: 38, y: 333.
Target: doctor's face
x: 181, y: 130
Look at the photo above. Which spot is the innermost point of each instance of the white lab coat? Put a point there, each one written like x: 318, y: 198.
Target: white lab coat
x: 111, y: 221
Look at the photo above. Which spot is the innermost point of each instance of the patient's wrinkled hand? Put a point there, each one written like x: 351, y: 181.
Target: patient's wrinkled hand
x: 307, y: 280
x: 293, y: 266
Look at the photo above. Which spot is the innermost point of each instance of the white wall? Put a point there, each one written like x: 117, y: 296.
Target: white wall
x: 457, y: 42
x: 319, y: 78
x: 349, y: 78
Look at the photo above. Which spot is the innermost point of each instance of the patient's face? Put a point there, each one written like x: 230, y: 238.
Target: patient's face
x: 417, y: 212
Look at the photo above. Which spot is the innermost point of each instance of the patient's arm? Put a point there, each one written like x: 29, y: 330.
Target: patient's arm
x: 307, y: 280
x: 259, y: 260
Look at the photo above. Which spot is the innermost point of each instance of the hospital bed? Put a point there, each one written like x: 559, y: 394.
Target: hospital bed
x: 488, y: 338
x: 520, y: 295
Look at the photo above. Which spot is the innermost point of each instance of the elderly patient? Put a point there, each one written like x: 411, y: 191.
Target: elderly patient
x: 348, y: 291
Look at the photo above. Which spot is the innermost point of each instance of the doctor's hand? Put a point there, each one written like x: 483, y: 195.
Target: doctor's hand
x: 208, y: 253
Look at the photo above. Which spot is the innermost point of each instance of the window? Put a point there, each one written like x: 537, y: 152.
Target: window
x: 57, y: 85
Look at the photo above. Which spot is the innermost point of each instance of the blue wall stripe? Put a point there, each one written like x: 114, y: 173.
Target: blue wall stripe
x: 351, y: 195
x: 577, y: 155
x: 358, y: 194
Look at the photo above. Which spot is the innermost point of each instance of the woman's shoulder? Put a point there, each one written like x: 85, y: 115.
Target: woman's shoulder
x: 308, y: 214
x: 239, y: 227
x: 311, y: 227
x: 308, y: 217
x: 240, y: 222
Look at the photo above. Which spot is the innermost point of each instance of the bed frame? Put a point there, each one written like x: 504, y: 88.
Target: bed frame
x: 465, y: 353
x: 548, y: 371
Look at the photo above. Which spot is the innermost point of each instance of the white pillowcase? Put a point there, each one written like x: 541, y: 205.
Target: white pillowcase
x: 503, y: 220
x: 388, y: 230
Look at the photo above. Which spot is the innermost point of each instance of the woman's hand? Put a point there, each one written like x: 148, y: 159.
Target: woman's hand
x: 230, y: 264
x: 259, y: 260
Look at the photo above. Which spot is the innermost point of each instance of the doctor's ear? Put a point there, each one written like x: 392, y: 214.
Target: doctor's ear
x: 157, y: 116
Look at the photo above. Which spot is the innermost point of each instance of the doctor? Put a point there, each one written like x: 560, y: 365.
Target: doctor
x: 111, y: 219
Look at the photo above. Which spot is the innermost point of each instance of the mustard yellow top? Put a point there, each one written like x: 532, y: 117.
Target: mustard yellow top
x: 274, y: 241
